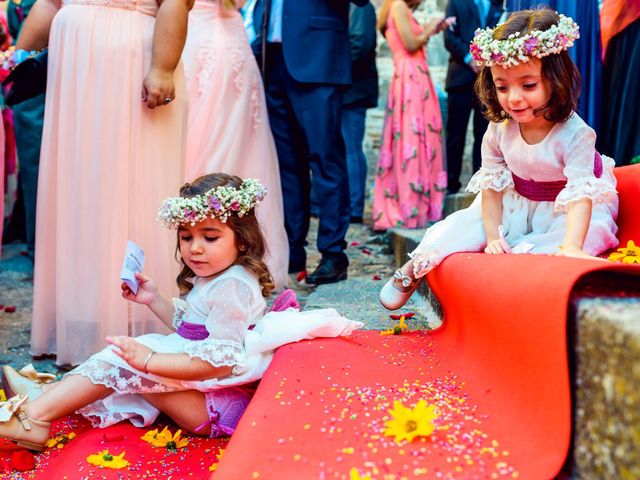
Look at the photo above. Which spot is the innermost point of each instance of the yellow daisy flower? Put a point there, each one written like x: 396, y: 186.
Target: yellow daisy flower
x: 409, y: 423
x: 630, y: 254
x: 165, y: 439
x: 354, y: 474
x: 60, y: 440
x: 106, y: 460
x: 213, y: 467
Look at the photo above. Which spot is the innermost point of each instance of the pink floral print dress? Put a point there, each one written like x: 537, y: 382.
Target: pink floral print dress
x: 410, y: 180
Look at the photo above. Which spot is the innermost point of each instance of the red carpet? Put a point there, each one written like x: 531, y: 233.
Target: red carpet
x: 145, y: 461
x: 497, y: 371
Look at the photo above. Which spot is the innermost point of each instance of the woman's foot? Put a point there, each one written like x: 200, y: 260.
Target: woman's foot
x: 17, y: 426
x: 399, y: 288
x: 27, y: 381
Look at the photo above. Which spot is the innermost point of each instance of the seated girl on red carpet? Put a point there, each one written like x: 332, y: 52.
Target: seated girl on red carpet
x: 198, y: 375
x: 544, y: 187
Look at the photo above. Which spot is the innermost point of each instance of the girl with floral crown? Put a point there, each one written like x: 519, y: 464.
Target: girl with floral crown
x: 543, y: 186
x: 203, y: 375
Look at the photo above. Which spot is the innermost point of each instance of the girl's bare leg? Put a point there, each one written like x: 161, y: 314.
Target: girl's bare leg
x: 188, y: 409
x: 70, y: 394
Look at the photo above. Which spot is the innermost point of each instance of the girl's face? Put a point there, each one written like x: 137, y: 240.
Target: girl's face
x: 521, y: 91
x: 208, y: 248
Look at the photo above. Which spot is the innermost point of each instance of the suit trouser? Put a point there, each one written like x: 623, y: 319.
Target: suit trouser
x: 305, y: 121
x: 460, y: 102
x: 28, y: 117
x: 353, y: 127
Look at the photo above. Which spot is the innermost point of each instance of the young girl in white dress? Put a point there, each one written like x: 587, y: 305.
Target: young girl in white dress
x: 543, y: 187
x: 198, y: 375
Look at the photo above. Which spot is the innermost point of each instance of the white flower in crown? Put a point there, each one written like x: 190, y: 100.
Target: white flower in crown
x: 517, y: 49
x: 219, y: 202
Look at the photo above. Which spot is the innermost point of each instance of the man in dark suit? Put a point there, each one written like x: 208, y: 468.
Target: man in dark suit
x: 303, y: 47
x: 461, y: 75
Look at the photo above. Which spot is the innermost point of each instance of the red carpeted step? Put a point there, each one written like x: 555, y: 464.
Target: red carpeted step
x: 496, y: 371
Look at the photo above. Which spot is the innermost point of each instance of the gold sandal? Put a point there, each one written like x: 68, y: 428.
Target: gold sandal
x: 15, y: 425
x: 28, y: 381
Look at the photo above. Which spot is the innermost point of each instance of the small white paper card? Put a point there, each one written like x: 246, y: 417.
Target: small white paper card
x: 523, y: 247
x: 133, y: 262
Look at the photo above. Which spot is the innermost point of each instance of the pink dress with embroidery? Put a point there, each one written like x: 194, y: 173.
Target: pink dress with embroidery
x: 410, y: 179
x: 228, y: 124
x: 106, y: 164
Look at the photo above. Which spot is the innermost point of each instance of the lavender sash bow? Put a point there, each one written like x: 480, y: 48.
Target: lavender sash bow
x: 192, y: 331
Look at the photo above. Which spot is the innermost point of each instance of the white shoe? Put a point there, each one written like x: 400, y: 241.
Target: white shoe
x: 393, y: 297
x: 26, y: 382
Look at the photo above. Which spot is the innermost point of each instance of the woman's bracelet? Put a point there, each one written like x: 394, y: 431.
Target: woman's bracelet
x: 146, y: 360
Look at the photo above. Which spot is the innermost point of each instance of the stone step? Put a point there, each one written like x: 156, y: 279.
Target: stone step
x: 357, y: 299
x: 607, y: 410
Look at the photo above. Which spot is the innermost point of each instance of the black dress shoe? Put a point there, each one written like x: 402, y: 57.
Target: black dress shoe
x: 355, y: 220
x: 330, y: 270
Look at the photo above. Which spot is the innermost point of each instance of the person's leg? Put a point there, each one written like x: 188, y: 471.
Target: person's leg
x: 318, y: 110
x: 28, y: 120
x: 70, y: 394
x: 187, y: 409
x: 292, y: 159
x: 458, y: 108
x: 353, y: 121
x: 480, y: 125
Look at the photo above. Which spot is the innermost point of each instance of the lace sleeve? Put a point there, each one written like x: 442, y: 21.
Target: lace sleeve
x: 230, y: 304
x: 179, y: 311
x: 494, y: 173
x: 495, y: 178
x: 579, y: 159
x: 597, y: 189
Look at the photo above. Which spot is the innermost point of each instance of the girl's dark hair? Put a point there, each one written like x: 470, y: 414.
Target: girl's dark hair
x: 560, y: 74
x: 249, y: 239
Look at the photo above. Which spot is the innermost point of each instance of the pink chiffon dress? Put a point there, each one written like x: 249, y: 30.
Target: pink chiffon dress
x: 106, y: 164
x: 228, y: 123
x: 410, y: 180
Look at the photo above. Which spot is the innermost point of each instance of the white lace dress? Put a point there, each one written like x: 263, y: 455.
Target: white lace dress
x: 566, y: 154
x: 226, y: 305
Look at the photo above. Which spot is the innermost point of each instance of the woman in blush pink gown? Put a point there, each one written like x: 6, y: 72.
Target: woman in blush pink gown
x: 112, y: 149
x: 410, y: 180
x: 228, y: 124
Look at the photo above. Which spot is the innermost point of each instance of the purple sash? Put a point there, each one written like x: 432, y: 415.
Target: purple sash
x: 548, y: 191
x: 192, y: 331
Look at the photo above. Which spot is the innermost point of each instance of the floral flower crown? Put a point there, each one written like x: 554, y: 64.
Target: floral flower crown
x: 219, y: 202
x: 516, y: 49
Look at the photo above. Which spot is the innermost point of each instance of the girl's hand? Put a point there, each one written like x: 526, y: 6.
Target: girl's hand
x: 494, y: 247
x: 158, y: 88
x: 130, y: 350
x: 575, y: 252
x: 147, y: 290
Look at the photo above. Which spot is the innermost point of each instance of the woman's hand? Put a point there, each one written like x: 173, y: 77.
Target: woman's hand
x: 494, y: 247
x: 147, y: 291
x: 158, y: 88
x: 436, y: 25
x: 130, y: 350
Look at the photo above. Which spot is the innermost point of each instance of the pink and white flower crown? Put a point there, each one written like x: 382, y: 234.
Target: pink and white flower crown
x: 517, y: 49
x: 219, y: 202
